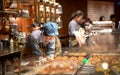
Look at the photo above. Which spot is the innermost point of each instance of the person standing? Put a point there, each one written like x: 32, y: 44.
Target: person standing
x: 113, y: 19
x: 102, y: 18
x: 74, y: 26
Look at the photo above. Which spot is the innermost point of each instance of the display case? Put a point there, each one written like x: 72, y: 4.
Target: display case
x: 100, y: 56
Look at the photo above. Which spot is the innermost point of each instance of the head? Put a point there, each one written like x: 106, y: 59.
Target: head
x: 102, y: 18
x: 50, y: 30
x: 35, y: 26
x: 82, y: 21
x: 77, y: 16
x: 88, y: 21
x: 113, y: 18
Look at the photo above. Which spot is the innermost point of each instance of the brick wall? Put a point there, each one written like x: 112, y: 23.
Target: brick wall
x: 100, y: 8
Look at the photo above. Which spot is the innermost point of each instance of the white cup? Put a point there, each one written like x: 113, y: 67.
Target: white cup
x: 1, y: 46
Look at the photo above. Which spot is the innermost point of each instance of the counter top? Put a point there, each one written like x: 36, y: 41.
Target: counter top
x: 108, y: 42
x: 9, y: 52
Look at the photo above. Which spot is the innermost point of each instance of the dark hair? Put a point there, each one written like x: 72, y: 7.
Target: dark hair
x: 88, y: 20
x: 101, y: 18
x: 77, y: 14
x: 112, y: 16
x: 35, y: 24
x: 44, y: 33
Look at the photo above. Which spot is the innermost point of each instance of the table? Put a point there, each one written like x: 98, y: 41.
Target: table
x: 8, y: 54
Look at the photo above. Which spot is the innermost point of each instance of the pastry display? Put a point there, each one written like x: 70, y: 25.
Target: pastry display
x: 69, y: 64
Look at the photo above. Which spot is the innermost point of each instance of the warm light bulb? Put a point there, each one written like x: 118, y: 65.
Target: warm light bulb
x: 59, y: 6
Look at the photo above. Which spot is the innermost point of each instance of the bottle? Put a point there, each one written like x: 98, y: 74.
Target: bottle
x: 11, y: 42
x: 16, y: 43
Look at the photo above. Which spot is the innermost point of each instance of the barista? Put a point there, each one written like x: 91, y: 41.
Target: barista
x: 74, y: 26
x: 33, y: 40
x: 46, y: 37
x: 51, y: 40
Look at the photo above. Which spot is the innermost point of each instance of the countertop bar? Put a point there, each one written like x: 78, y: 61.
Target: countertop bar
x: 8, y: 54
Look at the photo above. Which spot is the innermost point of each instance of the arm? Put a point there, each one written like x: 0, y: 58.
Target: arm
x: 58, y: 48
x: 72, y: 28
x: 34, y: 45
x: 51, y: 47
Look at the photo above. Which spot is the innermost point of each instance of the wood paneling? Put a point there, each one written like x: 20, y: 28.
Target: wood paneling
x: 70, y: 6
x: 24, y: 23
